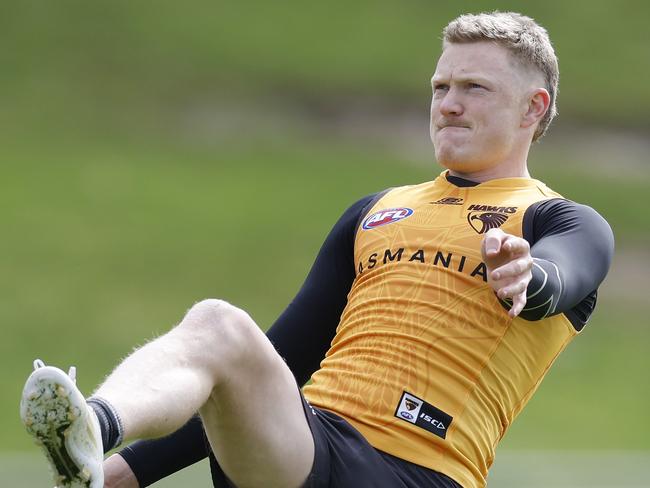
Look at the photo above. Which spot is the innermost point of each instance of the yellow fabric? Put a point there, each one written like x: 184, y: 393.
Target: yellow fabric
x: 421, y: 318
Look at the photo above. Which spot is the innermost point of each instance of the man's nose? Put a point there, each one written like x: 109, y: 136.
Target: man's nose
x: 451, y: 104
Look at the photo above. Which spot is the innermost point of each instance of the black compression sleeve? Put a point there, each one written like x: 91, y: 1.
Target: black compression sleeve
x: 572, y: 247
x: 152, y: 460
x: 301, y: 335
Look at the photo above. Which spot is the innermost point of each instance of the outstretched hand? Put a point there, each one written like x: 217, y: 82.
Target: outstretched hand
x: 509, y: 265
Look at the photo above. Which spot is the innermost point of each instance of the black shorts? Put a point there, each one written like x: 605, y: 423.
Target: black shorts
x: 344, y: 459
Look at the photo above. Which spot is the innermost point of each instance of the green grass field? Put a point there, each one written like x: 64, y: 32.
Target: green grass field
x: 513, y: 469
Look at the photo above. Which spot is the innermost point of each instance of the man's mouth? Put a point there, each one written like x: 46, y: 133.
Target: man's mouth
x: 442, y: 127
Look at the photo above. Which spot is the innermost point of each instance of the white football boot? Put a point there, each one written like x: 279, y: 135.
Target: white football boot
x: 55, y: 413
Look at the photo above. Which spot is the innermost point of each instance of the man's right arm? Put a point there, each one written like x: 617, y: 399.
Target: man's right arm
x: 301, y: 335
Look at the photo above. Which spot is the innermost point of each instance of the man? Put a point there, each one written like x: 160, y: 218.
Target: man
x: 437, y: 308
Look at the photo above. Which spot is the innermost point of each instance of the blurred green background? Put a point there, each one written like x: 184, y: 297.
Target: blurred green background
x: 157, y: 153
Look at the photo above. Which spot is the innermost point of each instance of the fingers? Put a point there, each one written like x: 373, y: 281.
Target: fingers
x: 512, y: 289
x: 518, y: 304
x: 509, y: 267
x: 512, y: 268
x: 515, y: 295
x: 515, y: 246
x: 499, y: 246
x: 491, y: 244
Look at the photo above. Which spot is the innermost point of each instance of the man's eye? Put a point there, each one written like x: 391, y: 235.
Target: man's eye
x: 440, y: 87
x: 475, y: 85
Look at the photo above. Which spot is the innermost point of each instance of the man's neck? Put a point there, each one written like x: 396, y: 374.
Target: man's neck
x: 492, y: 174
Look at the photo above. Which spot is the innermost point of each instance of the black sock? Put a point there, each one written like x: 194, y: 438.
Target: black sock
x: 109, y: 422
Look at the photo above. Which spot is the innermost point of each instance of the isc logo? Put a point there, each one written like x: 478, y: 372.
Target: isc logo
x: 386, y: 216
x: 436, y: 423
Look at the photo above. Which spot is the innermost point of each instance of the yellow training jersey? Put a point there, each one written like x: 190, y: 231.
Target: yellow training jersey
x: 426, y: 363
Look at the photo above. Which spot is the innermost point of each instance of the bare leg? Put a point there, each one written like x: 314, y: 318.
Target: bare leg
x: 218, y: 362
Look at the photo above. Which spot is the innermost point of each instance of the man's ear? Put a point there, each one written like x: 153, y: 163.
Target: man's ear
x: 538, y: 103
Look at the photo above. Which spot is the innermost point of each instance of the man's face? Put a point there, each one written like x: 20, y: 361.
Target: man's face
x: 479, y: 99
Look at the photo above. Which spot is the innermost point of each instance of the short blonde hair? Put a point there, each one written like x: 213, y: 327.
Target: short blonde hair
x: 523, y: 37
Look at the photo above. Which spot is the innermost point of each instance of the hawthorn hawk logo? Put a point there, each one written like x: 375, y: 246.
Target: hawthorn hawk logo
x: 410, y: 404
x: 482, y: 218
x: 481, y: 222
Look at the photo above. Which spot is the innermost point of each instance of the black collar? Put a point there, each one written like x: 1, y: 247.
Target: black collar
x: 458, y: 181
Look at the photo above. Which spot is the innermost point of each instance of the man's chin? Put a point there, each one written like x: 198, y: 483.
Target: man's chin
x: 448, y: 154
x: 457, y: 164
x: 451, y: 160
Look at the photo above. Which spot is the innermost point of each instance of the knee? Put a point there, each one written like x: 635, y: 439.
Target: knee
x: 216, y: 326
x: 213, y: 311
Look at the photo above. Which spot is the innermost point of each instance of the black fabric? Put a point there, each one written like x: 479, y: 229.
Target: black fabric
x: 460, y: 182
x: 572, y: 236
x: 157, y: 458
x: 572, y: 247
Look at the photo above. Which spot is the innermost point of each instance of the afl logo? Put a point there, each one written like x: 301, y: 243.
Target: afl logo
x: 386, y: 216
x: 406, y: 415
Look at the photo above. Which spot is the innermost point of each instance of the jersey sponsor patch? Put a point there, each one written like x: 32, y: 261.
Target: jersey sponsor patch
x: 386, y: 216
x: 418, y: 412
